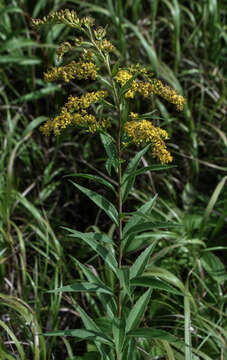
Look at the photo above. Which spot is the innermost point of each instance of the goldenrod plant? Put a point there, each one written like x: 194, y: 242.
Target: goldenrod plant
x: 110, y: 112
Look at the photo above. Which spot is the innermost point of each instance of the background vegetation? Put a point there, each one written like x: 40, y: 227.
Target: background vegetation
x: 184, y: 43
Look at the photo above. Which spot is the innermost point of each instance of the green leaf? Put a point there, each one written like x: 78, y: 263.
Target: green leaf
x: 139, y: 265
x: 90, y: 239
x: 136, y: 216
x: 136, y: 314
x: 20, y: 60
x: 149, y: 281
x: 150, y: 333
x: 100, y: 201
x: 33, y: 124
x: 95, y: 178
x: 212, y: 203
x: 150, y: 168
x: 165, y: 275
x: 87, y: 320
x: 107, y: 300
x: 215, y: 268
x: 16, y: 43
x: 128, y: 177
x: 91, y: 325
x: 82, y: 334
x: 123, y: 275
x: 147, y: 226
x: 115, y: 68
x: 118, y: 327
x: 84, y: 287
x: 111, y: 151
x: 38, y: 94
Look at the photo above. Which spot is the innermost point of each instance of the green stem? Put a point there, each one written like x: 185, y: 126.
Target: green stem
x: 119, y: 179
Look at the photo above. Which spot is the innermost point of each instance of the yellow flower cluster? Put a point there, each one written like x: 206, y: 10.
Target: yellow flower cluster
x: 66, y: 16
x: 74, y: 113
x: 144, y: 131
x: 133, y: 116
x: 80, y: 70
x: 105, y: 45
x: 123, y: 76
x: 148, y: 88
x: 66, y: 46
x: 66, y: 73
x: 84, y: 101
x: 138, y: 68
x: 167, y: 93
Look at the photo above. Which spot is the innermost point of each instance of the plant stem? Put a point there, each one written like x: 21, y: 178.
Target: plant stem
x: 119, y: 197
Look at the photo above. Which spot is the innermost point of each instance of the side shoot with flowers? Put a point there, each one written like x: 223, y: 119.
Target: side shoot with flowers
x: 119, y: 127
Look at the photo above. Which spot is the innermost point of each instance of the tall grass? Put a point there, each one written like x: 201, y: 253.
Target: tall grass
x: 184, y: 44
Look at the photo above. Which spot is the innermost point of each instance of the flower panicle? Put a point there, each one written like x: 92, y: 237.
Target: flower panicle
x: 144, y: 131
x: 66, y: 16
x: 74, y: 112
x: 83, y: 69
x: 149, y: 88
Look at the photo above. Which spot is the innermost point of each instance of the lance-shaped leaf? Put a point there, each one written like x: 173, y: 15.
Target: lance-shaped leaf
x: 100, y: 201
x: 111, y: 151
x: 146, y: 226
x: 118, y: 327
x: 87, y: 320
x: 149, y: 281
x: 136, y: 314
x: 91, y: 325
x: 131, y: 350
x: 107, y: 300
x: 123, y: 275
x: 90, y: 239
x: 136, y: 218
x: 84, y: 287
x: 82, y: 334
x: 215, y: 268
x: 139, y: 265
x: 94, y: 178
x: 129, y: 176
x: 150, y: 333
x: 150, y: 168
